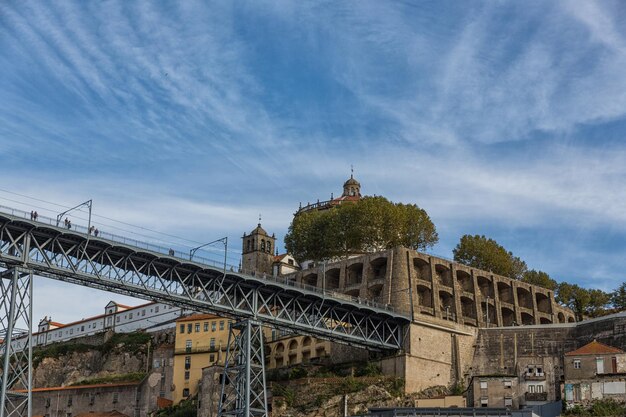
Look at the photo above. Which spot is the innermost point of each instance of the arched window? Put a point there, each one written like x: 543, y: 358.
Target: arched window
x: 269, y: 247
x: 262, y: 244
x: 249, y: 245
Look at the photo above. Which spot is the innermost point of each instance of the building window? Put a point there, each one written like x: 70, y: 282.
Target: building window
x: 188, y: 346
x: 182, y: 328
x: 507, y: 384
x: 211, y: 358
x: 82, y: 328
x: 213, y: 326
x: 130, y: 316
x: 206, y: 326
x: 143, y: 313
x: 222, y: 325
x: 508, y: 401
x: 212, y: 343
x: 290, y: 262
x: 115, y: 397
x: 576, y: 363
x: 186, y: 375
x: 156, y: 309
x: 186, y: 392
x: 47, y: 402
x: 189, y: 328
x: 483, y: 384
x: 484, y: 402
x: 117, y: 319
x: 69, y: 401
x: 187, y: 362
x: 197, y: 327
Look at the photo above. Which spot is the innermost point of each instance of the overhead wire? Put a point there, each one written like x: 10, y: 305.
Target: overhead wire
x: 109, y: 226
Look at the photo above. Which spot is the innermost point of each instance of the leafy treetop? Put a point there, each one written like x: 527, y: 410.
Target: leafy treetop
x: 369, y: 225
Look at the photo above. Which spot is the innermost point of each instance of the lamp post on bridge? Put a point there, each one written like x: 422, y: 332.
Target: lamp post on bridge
x: 87, y: 203
x: 224, y: 240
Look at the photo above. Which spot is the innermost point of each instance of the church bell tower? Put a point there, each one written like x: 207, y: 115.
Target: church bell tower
x: 257, y: 252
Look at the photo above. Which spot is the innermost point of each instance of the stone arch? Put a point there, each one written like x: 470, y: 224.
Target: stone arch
x: 354, y: 274
x: 486, y: 286
x: 560, y: 317
x: 293, y: 345
x: 378, y: 268
x: 489, y: 313
x: 280, y: 348
x: 468, y: 308
x: 524, y: 298
x: 355, y: 292
x: 508, y: 317
x: 527, y: 319
x: 307, y: 341
x: 571, y: 319
x: 310, y: 279
x: 543, y: 303
x: 446, y: 304
x: 375, y: 292
x: 421, y: 269
x: 263, y: 245
x: 443, y: 275
x: 332, y: 279
x: 505, y: 292
x: 269, y: 247
x: 465, y: 281
x: 424, y: 296
x: 544, y: 320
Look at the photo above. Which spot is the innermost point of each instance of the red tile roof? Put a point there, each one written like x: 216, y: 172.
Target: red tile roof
x: 594, y: 348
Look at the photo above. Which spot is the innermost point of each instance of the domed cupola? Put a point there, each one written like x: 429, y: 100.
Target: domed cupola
x: 351, y: 188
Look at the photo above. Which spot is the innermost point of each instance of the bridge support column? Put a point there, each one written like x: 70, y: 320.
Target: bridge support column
x: 16, y: 291
x: 243, y: 383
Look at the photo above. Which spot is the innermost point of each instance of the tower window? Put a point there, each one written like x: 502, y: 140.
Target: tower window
x: 249, y: 245
x: 262, y: 244
x: 269, y: 247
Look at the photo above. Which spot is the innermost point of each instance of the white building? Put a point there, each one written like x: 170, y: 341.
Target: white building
x: 120, y: 318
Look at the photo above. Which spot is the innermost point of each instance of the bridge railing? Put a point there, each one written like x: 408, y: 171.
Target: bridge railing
x: 169, y: 251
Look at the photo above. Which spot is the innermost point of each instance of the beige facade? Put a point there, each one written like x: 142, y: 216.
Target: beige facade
x: 430, y: 288
x: 295, y: 350
x: 201, y: 341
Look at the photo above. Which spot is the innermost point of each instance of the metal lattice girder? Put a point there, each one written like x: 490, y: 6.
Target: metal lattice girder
x: 243, y: 382
x: 16, y: 289
x: 78, y: 258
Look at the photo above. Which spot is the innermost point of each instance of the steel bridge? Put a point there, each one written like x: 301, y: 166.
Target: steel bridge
x: 117, y: 264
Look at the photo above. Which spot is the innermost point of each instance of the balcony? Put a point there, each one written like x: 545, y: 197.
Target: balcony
x: 537, y: 376
x: 536, y: 396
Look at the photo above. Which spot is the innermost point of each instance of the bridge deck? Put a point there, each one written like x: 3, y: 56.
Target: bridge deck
x: 144, y: 270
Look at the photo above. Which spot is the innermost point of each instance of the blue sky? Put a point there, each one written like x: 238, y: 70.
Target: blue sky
x: 191, y: 118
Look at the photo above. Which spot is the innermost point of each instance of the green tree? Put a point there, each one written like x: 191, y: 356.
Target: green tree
x: 583, y: 302
x: 371, y: 224
x: 618, y: 297
x: 539, y: 278
x: 483, y: 253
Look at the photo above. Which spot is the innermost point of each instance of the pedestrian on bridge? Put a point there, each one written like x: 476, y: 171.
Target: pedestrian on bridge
x: 95, y: 233
x: 32, y: 215
x: 35, y: 215
x: 91, y: 229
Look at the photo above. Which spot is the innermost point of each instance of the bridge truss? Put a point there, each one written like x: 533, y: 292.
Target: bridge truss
x: 32, y: 247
